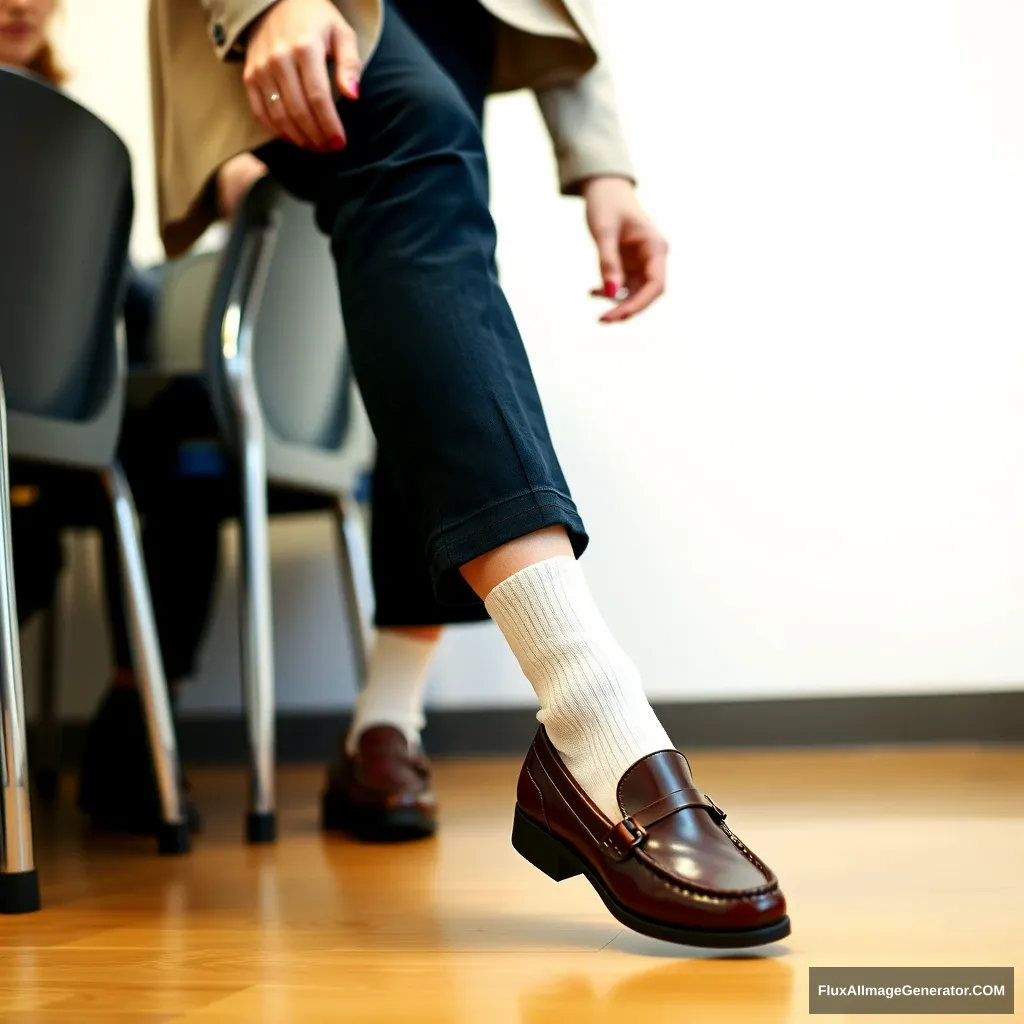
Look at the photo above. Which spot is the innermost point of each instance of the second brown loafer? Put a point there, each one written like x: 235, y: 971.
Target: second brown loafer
x: 382, y: 793
x: 670, y: 868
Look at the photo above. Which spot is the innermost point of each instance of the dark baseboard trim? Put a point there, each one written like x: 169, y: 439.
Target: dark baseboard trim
x: 304, y: 738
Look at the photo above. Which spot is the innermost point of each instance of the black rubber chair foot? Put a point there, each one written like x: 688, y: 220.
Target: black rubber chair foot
x: 260, y: 827
x: 172, y: 838
x: 19, y: 892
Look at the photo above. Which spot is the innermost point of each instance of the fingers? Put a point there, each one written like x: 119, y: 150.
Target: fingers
x: 290, y: 95
x: 654, y: 274
x: 288, y: 84
x: 348, y: 68
x: 610, y: 258
x: 268, y: 103
x: 292, y: 109
x: 311, y: 65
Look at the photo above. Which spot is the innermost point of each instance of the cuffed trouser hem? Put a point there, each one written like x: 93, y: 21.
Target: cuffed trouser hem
x: 400, y: 613
x: 454, y: 546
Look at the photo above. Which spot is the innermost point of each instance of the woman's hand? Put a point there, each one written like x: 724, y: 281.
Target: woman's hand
x: 234, y: 179
x: 632, y: 251
x: 286, y: 74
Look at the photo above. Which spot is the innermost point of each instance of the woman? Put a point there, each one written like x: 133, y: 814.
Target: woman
x: 179, y: 533
x: 372, y: 111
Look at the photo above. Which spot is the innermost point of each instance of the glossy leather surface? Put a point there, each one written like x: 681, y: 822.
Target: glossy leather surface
x: 672, y: 859
x: 383, y: 774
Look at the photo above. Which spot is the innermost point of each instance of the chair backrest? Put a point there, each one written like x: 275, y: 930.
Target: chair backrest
x: 176, y: 343
x: 65, y: 221
x: 277, y: 276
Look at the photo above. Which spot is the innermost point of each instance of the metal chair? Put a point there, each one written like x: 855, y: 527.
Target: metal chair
x: 263, y: 316
x: 65, y: 221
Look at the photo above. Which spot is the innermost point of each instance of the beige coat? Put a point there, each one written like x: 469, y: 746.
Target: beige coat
x: 201, y: 116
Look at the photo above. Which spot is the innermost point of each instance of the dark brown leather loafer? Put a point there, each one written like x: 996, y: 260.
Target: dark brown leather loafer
x: 670, y: 868
x: 383, y: 794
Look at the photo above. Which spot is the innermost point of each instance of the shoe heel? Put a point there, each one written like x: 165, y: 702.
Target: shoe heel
x: 542, y: 850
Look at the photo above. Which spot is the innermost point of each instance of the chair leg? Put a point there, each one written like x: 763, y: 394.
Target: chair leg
x: 47, y: 772
x: 257, y: 628
x: 354, y: 565
x: 19, y: 883
x: 173, y: 836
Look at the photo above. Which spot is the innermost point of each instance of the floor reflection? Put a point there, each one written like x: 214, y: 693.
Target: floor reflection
x: 754, y: 989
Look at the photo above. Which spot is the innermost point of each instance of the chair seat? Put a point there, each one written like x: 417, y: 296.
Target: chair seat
x: 80, y: 444
x: 171, y: 431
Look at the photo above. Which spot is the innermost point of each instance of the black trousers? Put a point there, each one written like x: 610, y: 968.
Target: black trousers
x: 466, y: 462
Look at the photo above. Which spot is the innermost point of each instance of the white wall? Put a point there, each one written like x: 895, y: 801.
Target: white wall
x: 804, y: 471
x: 104, y: 46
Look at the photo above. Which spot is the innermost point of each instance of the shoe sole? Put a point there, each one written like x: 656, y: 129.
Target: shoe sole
x: 374, y: 825
x: 558, y: 861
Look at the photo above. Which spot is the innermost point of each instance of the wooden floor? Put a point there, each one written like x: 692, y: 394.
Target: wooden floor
x: 891, y: 857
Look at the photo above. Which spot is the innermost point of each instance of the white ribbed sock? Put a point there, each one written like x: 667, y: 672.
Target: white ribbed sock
x: 592, y: 703
x: 394, y: 689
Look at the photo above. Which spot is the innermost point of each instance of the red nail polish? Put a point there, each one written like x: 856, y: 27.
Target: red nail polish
x: 611, y: 289
x: 353, y: 88
x: 338, y: 142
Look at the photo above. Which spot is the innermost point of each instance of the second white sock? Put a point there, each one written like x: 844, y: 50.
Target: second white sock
x: 395, y: 687
x: 592, y: 703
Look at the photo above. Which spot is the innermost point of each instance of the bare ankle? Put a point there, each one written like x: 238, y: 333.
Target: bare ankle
x: 483, y: 574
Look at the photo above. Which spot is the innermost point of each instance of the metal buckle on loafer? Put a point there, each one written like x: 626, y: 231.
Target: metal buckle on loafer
x: 719, y: 813
x: 624, y: 837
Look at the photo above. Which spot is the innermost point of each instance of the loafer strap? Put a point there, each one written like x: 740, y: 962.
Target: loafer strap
x: 625, y: 836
